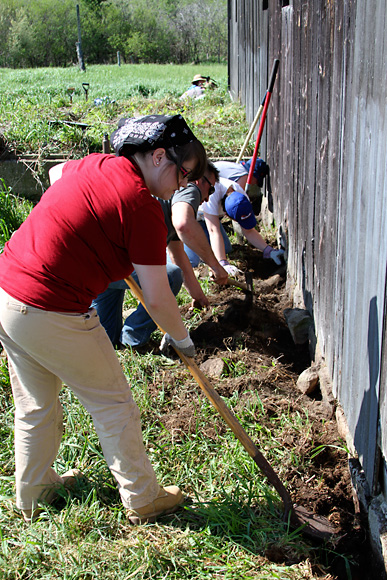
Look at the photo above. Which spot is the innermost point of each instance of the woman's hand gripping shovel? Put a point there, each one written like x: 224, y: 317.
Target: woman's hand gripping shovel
x: 310, y: 524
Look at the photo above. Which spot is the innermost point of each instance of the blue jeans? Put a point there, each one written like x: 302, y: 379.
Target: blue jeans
x: 194, y: 258
x: 138, y: 327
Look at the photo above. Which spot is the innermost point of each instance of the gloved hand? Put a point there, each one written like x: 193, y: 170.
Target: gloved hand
x: 218, y: 274
x: 270, y: 253
x: 185, y: 346
x: 231, y: 270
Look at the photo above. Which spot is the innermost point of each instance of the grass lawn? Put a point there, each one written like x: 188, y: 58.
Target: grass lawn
x: 36, y: 106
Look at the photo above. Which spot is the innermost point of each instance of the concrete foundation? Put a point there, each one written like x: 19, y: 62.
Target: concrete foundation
x: 28, y: 175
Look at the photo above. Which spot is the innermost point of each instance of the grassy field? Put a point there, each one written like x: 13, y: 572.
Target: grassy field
x: 36, y: 106
x: 113, y: 81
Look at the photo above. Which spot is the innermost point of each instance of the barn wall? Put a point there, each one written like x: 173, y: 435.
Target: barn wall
x: 325, y: 141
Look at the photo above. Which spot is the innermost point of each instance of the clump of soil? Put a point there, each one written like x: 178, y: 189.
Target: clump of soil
x: 251, y: 331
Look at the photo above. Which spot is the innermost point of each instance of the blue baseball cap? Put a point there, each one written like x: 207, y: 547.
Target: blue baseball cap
x: 239, y: 208
x: 261, y: 169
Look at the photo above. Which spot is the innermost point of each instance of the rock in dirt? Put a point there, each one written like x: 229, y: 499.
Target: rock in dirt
x: 299, y: 322
x: 212, y: 367
x: 343, y: 430
x: 308, y: 380
x: 267, y: 286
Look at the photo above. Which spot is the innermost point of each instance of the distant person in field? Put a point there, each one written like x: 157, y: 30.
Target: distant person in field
x: 198, y: 88
x: 98, y: 221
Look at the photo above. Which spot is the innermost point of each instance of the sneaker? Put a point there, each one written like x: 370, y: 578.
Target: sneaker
x: 166, y: 502
x: 53, y: 492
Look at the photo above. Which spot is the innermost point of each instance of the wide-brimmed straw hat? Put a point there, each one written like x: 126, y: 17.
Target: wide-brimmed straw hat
x: 198, y: 78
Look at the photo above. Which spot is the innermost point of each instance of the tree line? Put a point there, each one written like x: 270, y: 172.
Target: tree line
x: 40, y: 33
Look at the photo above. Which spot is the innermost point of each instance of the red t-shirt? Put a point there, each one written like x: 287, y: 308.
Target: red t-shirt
x: 85, y: 232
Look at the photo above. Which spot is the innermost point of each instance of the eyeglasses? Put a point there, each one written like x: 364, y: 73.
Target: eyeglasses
x: 212, y: 187
x: 186, y: 173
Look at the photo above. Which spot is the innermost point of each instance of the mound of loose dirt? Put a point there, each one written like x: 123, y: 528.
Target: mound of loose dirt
x: 250, y: 331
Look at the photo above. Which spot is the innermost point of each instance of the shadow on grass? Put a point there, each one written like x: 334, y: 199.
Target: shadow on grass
x: 252, y: 527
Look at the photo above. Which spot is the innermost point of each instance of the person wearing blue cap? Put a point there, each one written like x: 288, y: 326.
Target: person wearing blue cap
x: 230, y: 199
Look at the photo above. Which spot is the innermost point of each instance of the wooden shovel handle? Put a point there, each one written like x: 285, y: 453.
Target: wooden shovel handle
x: 251, y: 130
x: 242, y: 285
x: 226, y: 414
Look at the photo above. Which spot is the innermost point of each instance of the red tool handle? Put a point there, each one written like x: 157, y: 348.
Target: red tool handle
x: 262, y: 121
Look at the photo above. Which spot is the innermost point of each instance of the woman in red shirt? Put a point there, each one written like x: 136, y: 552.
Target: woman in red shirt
x: 93, y: 226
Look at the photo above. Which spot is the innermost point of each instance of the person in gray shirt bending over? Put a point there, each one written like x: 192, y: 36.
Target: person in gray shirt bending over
x: 180, y: 217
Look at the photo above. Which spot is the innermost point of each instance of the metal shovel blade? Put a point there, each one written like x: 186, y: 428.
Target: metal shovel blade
x: 311, y: 524
x: 246, y: 286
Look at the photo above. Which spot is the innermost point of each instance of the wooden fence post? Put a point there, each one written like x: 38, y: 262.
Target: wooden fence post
x: 79, y: 44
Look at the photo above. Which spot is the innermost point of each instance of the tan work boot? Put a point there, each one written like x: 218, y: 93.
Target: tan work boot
x: 52, y: 493
x: 166, y: 502
x: 31, y: 515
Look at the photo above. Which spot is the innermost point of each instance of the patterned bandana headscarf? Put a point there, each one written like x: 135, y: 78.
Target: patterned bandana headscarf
x: 149, y: 132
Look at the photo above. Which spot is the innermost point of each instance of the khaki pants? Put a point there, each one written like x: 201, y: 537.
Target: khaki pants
x: 46, y: 349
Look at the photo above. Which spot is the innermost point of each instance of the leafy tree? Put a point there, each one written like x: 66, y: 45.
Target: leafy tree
x: 95, y: 45
x: 44, y: 32
x: 6, y: 13
x: 38, y: 35
x: 55, y: 32
x: 94, y: 3
x: 21, y: 39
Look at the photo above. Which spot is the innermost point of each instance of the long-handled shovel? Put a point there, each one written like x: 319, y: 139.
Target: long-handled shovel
x: 262, y: 123
x: 251, y: 130
x: 259, y: 112
x: 312, y: 524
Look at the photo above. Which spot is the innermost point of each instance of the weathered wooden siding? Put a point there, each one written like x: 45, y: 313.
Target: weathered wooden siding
x: 326, y: 144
